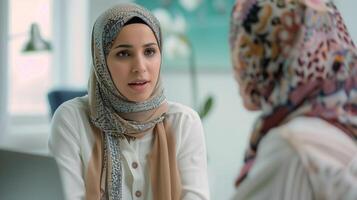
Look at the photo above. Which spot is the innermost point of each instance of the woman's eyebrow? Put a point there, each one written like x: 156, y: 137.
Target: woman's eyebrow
x: 149, y: 44
x: 131, y: 46
x: 124, y: 46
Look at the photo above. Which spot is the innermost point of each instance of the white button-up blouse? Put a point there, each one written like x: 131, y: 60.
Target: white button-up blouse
x: 71, y: 143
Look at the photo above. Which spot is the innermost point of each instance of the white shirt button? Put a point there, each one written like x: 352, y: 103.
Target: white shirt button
x: 138, y: 193
x: 134, y: 165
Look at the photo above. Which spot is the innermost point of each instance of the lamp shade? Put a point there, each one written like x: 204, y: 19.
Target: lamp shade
x: 36, y: 42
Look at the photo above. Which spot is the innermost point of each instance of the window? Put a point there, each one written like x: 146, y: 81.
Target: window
x: 29, y: 73
x: 29, y: 77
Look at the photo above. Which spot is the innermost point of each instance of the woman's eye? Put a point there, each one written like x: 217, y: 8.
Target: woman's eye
x: 122, y: 54
x: 150, y: 52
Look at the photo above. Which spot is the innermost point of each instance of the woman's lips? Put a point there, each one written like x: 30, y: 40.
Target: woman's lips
x: 139, y: 86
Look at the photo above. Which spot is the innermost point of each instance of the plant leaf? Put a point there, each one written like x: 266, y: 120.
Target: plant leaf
x: 206, y: 108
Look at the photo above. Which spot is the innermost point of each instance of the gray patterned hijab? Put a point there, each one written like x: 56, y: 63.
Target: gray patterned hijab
x: 111, y: 112
x: 102, y: 91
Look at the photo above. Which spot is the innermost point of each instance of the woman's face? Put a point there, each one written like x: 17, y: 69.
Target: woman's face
x: 134, y: 62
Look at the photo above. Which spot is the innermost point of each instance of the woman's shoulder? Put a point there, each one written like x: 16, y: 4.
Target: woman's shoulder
x: 312, y: 138
x: 186, y: 126
x: 311, y: 130
x: 327, y: 154
x: 73, y: 108
x: 181, y: 111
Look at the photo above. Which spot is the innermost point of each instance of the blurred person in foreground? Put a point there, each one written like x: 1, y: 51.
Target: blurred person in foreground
x: 295, y: 62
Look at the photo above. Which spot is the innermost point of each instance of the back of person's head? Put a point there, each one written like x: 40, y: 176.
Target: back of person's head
x: 279, y: 45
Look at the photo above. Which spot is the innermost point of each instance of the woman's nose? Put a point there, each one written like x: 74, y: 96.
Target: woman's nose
x: 139, y: 64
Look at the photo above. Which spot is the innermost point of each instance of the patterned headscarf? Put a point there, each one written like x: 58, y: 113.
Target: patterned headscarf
x: 118, y: 118
x: 293, y: 58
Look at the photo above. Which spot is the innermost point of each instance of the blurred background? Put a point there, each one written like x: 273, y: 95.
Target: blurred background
x: 45, y: 47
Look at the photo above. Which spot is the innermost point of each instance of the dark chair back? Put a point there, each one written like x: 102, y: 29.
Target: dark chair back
x: 57, y: 97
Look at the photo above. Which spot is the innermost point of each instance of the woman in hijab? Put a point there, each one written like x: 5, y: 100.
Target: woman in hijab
x: 125, y: 140
x: 295, y: 62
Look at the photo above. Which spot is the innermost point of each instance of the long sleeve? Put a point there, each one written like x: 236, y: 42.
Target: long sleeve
x: 65, y: 147
x: 192, y: 160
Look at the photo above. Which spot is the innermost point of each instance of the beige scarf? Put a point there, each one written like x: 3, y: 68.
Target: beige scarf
x: 164, y: 174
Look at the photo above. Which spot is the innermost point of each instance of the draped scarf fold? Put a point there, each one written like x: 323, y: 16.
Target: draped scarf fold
x: 293, y: 58
x: 114, y: 117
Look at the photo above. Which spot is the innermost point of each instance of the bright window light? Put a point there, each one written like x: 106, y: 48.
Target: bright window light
x: 29, y: 73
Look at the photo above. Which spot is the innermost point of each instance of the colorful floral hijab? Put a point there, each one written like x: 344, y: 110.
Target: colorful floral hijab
x: 293, y: 58
x: 117, y: 118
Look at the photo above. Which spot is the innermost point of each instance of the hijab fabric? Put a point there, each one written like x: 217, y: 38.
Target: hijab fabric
x: 293, y: 58
x: 115, y: 118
